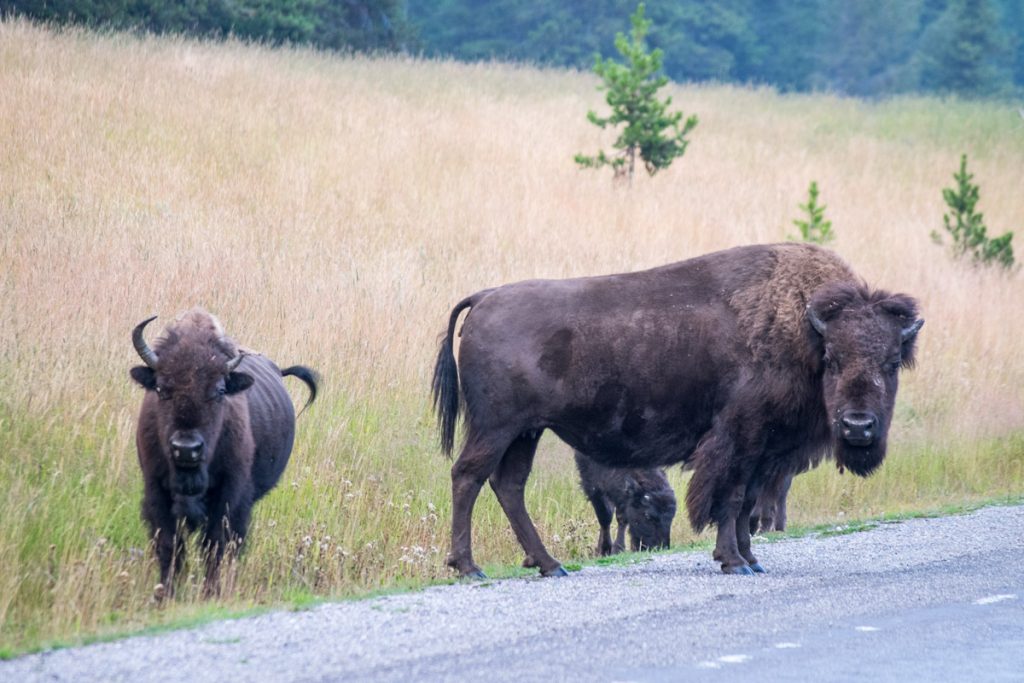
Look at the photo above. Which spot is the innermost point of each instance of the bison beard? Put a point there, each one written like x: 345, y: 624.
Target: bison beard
x: 748, y: 365
x: 215, y: 433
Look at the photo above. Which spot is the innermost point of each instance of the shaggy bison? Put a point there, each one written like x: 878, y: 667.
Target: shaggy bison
x: 746, y: 364
x: 215, y: 433
x: 642, y: 499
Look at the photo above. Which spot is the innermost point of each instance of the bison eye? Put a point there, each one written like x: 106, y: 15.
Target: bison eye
x: 163, y: 392
x: 218, y: 395
x: 892, y: 367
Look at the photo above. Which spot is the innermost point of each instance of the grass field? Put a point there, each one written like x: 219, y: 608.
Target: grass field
x: 332, y: 210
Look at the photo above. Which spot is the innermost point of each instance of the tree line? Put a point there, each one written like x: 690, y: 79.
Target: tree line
x: 359, y: 25
x: 863, y: 48
x: 973, y: 48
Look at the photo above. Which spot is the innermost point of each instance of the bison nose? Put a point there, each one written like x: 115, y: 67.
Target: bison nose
x: 859, y: 429
x: 187, y: 449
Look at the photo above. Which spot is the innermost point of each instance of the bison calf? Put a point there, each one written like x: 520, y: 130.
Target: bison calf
x: 642, y: 499
x: 214, y: 435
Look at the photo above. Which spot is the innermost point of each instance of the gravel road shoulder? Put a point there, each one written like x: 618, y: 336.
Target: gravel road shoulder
x: 650, y: 620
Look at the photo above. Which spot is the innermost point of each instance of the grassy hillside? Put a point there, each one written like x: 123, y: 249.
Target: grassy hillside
x: 331, y: 211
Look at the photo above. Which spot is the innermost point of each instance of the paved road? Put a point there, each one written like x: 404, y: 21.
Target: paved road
x: 930, y: 600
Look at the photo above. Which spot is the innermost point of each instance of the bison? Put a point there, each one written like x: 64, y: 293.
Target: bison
x: 746, y: 364
x: 769, y: 513
x: 214, y: 435
x: 642, y: 499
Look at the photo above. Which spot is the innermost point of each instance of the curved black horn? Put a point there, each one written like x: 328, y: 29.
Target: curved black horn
x: 816, y: 322
x: 233, y: 363
x: 147, y: 354
x: 909, y: 332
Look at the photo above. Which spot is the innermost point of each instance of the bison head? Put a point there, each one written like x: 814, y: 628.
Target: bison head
x: 866, y: 337
x: 649, y: 514
x: 190, y: 373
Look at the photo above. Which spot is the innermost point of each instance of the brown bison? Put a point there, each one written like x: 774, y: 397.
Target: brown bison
x: 642, y: 500
x: 746, y: 364
x: 215, y: 433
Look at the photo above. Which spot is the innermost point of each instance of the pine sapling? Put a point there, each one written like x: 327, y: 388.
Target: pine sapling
x: 650, y: 132
x: 815, y: 229
x: 966, y: 226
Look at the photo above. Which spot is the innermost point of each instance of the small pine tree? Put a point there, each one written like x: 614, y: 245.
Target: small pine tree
x: 815, y: 229
x: 632, y: 94
x: 967, y: 227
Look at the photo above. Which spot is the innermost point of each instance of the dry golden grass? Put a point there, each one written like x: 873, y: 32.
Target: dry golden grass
x: 332, y: 210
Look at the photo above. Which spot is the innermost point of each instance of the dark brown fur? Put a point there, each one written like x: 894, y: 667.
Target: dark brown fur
x: 642, y: 500
x: 241, y: 423
x: 747, y: 364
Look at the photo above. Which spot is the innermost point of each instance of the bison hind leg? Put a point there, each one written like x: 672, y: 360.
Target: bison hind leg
x: 509, y: 483
x: 480, y: 456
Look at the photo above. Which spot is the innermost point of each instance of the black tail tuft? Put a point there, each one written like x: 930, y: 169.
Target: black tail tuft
x: 446, y: 381
x: 308, y: 376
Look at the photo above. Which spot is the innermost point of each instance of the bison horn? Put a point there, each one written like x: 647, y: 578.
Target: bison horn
x: 909, y: 332
x: 233, y: 363
x: 147, y: 354
x: 816, y: 322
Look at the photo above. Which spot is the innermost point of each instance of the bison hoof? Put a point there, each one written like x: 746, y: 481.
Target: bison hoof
x: 742, y: 569
x: 557, y: 571
x: 474, y: 574
x: 758, y: 569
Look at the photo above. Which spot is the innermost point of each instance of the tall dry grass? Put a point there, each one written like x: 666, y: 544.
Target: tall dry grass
x: 331, y: 211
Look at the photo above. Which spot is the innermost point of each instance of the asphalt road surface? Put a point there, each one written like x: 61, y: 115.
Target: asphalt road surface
x: 921, y: 600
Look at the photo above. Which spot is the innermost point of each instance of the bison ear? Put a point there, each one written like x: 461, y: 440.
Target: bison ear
x: 907, y: 338
x: 237, y: 382
x: 904, y: 309
x: 145, y: 376
x: 828, y: 302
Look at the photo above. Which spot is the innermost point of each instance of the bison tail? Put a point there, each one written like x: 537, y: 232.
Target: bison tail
x: 710, y: 468
x: 445, y: 387
x: 306, y: 375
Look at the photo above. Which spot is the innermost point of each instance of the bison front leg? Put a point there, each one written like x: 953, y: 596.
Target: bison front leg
x: 169, y: 545
x: 509, y: 484
x: 226, y: 528
x: 167, y: 538
x: 727, y: 549
x: 620, y: 537
x: 716, y: 495
x: 603, y: 510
